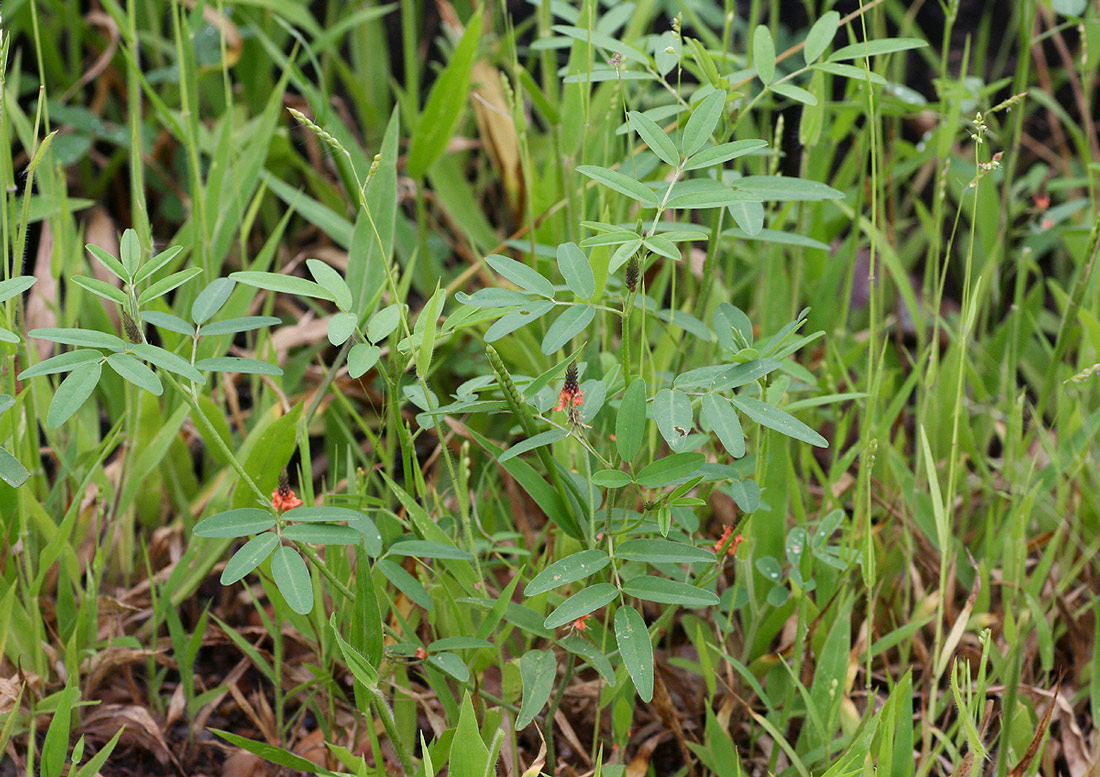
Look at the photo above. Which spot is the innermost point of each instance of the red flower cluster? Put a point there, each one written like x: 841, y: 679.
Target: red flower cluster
x: 725, y: 538
x: 283, y: 497
x: 571, y: 394
x: 579, y: 624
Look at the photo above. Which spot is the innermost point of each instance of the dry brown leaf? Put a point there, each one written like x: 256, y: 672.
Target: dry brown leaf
x: 1033, y: 748
x: 498, y: 133
x: 141, y: 731
x: 312, y: 748
x: 540, y: 760
x: 663, y: 704
x: 639, y: 764
x: 242, y: 763
x: 40, y: 310
x: 10, y: 691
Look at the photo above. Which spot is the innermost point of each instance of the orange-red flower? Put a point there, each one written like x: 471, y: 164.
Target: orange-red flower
x: 283, y: 497
x: 571, y: 394
x: 725, y: 538
x: 579, y: 624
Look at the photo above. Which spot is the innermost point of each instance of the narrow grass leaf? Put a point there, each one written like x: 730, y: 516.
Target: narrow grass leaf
x: 406, y: 583
x: 275, y: 755
x: 445, y: 102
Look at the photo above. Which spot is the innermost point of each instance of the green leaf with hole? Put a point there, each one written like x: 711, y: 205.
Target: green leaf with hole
x: 135, y: 372
x: 537, y: 669
x: 532, y: 310
x: 623, y: 184
x: 656, y: 138
x: 774, y: 418
x: 636, y: 650
x: 72, y: 393
x: 574, y: 567
x: 670, y: 469
x: 674, y: 416
x: 719, y: 413
x: 665, y: 591
x: 292, y: 579
x: 581, y: 603
x: 235, y: 523
x: 630, y: 420
x: 251, y: 555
